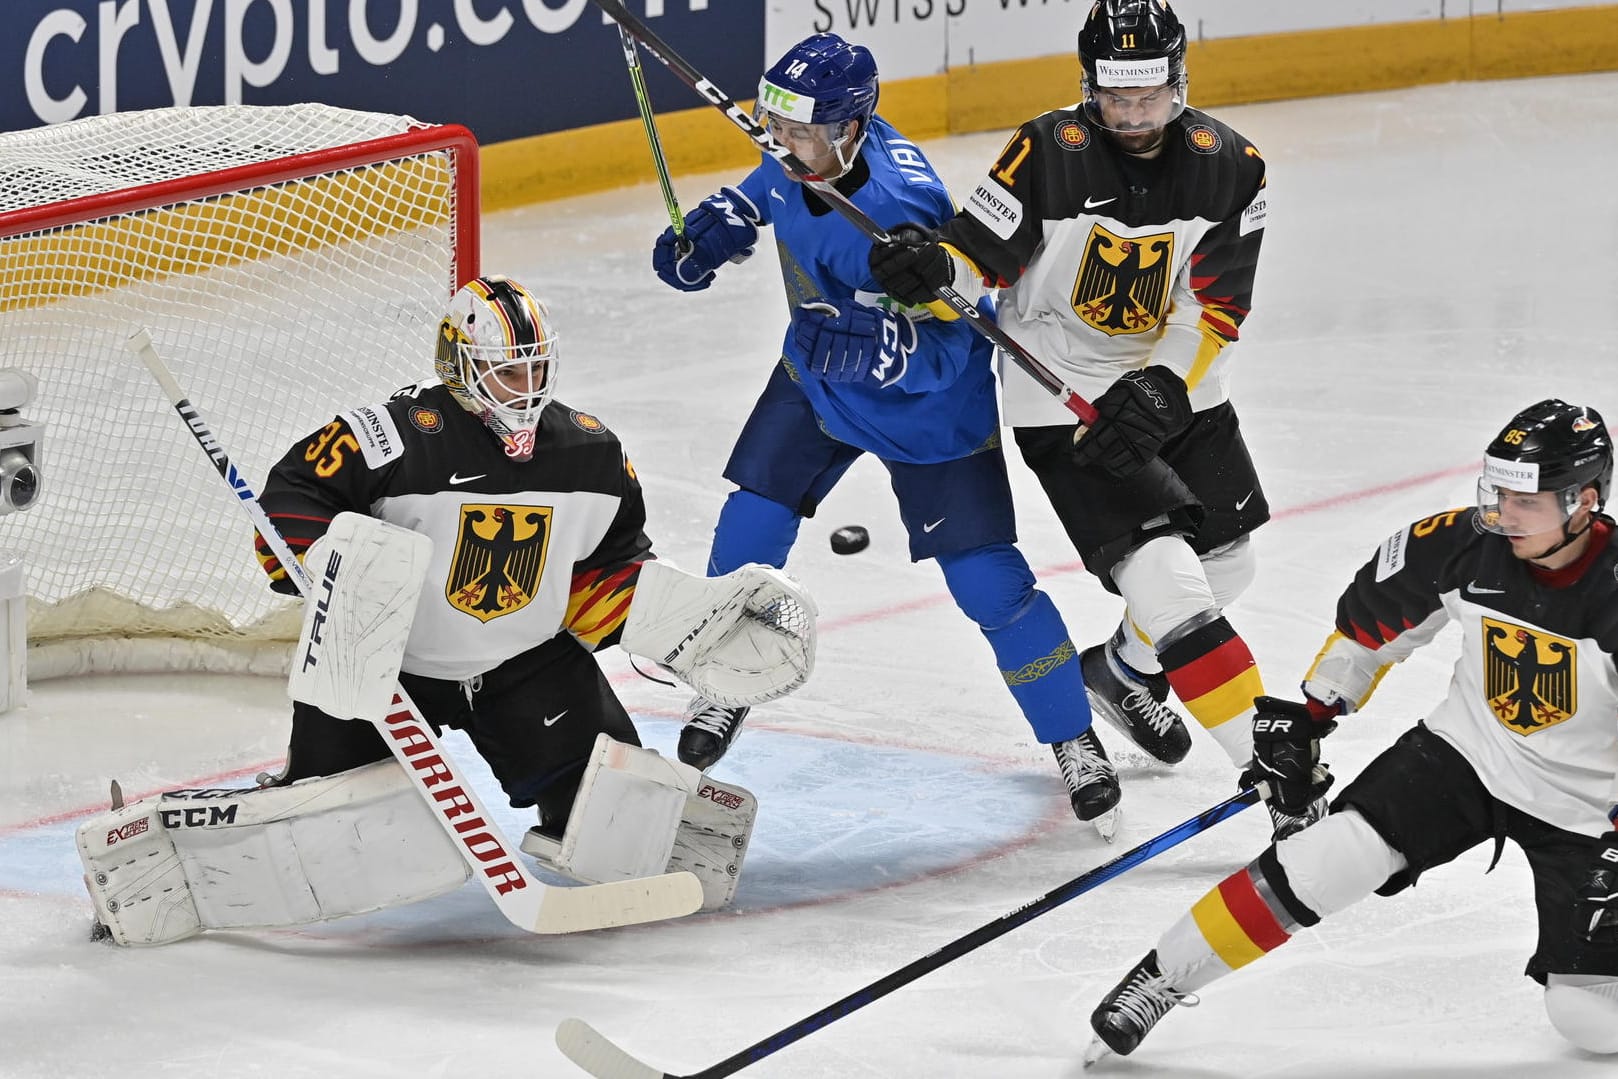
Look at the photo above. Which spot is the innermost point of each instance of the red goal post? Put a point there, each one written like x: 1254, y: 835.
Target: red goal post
x: 290, y: 262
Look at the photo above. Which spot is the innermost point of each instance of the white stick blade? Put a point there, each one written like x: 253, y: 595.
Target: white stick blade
x: 584, y: 1046
x: 619, y: 902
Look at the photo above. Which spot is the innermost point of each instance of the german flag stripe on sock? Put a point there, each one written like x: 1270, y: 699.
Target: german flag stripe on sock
x: 1236, y: 922
x: 1213, y: 673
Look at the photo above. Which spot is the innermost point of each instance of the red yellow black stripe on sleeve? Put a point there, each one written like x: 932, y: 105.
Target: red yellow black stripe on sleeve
x: 299, y: 530
x: 598, y: 603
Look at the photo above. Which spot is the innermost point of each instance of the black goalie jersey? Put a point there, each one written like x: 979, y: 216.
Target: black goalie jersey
x: 1533, y: 703
x: 521, y: 550
x: 1137, y: 261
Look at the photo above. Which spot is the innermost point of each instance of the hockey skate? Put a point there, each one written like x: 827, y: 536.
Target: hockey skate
x: 1133, y: 702
x: 1286, y: 824
x: 1127, y: 1014
x: 1092, y: 782
x: 709, y: 731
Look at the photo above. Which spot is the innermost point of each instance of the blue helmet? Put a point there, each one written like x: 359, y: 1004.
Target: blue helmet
x: 821, y: 80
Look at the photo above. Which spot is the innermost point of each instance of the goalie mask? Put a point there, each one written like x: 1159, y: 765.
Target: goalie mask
x: 818, y: 100
x: 1548, y: 447
x: 497, y: 354
x: 1133, y: 55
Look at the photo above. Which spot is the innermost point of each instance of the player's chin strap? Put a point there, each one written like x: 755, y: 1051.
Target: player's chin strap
x: 1568, y: 536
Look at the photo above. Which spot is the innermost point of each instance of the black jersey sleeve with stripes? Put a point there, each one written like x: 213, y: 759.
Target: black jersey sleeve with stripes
x: 310, y: 485
x: 1403, y: 584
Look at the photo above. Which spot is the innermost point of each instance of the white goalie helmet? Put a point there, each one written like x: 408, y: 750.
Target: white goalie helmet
x: 497, y: 354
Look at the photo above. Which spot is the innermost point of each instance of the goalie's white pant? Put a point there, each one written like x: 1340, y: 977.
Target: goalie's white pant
x: 166, y: 868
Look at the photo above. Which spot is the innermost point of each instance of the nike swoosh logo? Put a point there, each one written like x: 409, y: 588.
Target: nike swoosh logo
x: 1476, y: 590
x: 935, y: 524
x: 552, y: 719
x: 1091, y: 204
x: 457, y: 478
x: 776, y: 195
x: 1244, y: 501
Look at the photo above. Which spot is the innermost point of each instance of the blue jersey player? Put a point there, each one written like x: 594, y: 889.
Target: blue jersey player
x: 861, y: 374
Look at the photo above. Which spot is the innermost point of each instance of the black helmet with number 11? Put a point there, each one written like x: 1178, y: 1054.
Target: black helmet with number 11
x: 1133, y: 54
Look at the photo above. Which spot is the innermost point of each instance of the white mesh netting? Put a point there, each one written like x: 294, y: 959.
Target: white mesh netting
x: 276, y: 303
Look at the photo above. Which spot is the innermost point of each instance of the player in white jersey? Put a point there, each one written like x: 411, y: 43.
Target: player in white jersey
x: 538, y: 547
x: 1124, y: 233
x: 472, y: 540
x: 1524, y: 746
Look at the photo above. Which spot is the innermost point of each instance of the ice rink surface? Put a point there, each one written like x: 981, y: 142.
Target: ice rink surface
x: 1437, y: 258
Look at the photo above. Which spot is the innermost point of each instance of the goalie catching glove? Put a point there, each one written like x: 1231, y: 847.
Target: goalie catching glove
x: 740, y: 639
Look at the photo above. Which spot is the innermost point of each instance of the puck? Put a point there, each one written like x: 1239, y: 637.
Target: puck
x: 850, y: 539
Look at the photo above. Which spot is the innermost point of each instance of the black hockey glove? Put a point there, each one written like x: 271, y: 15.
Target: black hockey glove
x: 1286, y: 754
x: 1598, y: 894
x: 912, y: 266
x: 1135, y: 416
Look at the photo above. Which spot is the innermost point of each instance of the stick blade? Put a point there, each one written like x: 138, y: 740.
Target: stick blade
x: 585, y: 1046
x: 619, y: 902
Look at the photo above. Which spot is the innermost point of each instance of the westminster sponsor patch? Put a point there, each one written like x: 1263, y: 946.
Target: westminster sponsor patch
x: 377, y: 435
x: 1390, y: 557
x: 1529, y: 677
x: 998, y: 209
x: 1257, y: 211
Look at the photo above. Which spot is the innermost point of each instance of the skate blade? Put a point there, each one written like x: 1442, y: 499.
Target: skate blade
x: 1106, y: 825
x: 1096, y: 1052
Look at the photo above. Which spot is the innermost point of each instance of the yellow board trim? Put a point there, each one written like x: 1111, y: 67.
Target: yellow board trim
x: 987, y: 97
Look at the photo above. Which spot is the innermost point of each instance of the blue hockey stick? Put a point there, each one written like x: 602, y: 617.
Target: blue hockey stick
x: 595, y: 1054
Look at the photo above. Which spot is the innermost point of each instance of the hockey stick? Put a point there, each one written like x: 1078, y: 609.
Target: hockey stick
x: 527, y: 902
x: 643, y: 100
x: 739, y: 116
x: 595, y: 1054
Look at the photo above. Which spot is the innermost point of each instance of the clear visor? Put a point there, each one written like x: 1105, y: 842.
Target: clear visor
x: 1524, y: 513
x: 515, y: 382
x: 817, y: 145
x: 1129, y: 110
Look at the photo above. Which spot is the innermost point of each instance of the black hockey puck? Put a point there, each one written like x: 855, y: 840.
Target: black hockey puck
x: 850, y: 539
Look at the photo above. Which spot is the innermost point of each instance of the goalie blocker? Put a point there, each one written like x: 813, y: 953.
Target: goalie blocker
x: 166, y: 868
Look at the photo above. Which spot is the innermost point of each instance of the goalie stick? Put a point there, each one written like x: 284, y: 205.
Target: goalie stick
x: 834, y: 198
x: 526, y: 901
x: 587, y: 1048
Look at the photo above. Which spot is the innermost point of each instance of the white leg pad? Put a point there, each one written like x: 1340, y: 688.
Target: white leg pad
x: 1337, y: 862
x: 165, y: 868
x: 1584, y: 1009
x: 715, y: 830
x: 624, y: 815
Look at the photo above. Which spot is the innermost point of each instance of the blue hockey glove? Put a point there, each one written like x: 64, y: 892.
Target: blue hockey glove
x: 1135, y: 416
x: 722, y: 226
x: 855, y: 343
x: 1598, y: 894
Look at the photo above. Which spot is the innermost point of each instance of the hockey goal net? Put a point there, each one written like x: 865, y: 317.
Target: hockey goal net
x: 289, y: 262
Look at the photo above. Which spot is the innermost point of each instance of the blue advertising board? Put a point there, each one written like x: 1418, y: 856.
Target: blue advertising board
x: 504, y: 68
